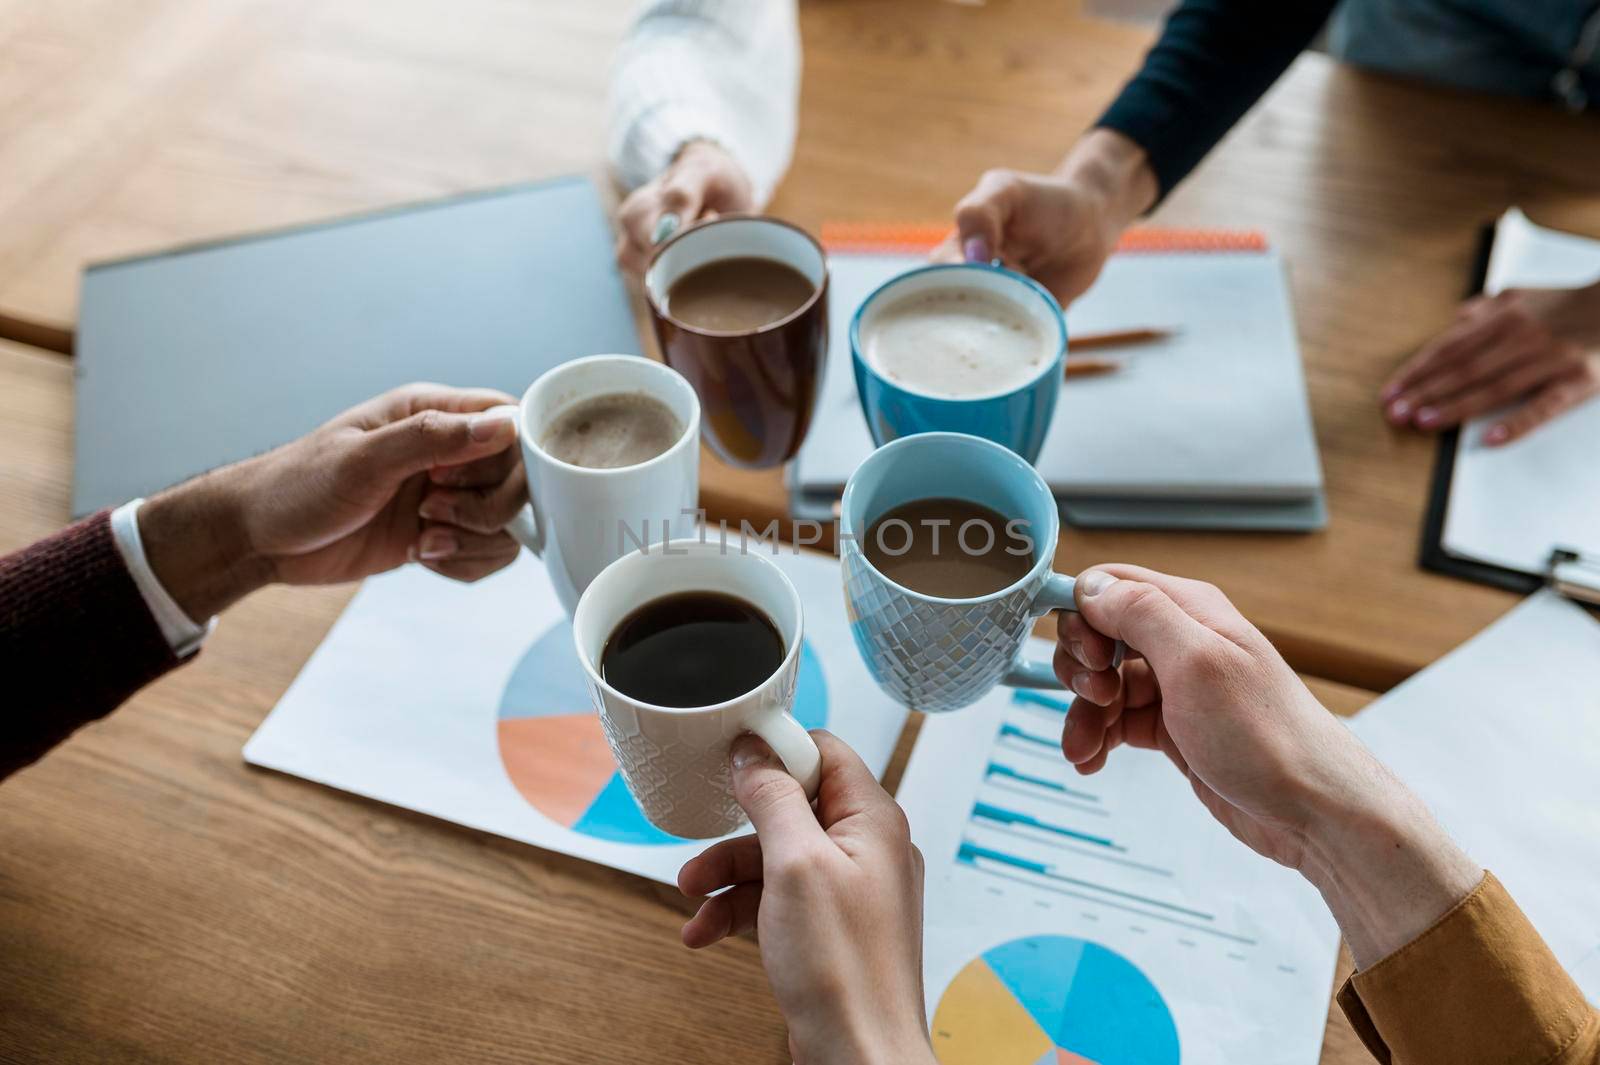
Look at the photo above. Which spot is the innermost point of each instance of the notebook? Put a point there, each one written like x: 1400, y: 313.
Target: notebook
x: 204, y: 355
x: 1499, y: 512
x: 1208, y: 428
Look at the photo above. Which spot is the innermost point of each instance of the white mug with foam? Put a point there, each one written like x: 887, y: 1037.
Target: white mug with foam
x: 580, y: 519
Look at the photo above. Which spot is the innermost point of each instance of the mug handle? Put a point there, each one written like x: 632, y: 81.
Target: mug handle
x: 1055, y: 594
x: 794, y: 746
x: 523, y: 526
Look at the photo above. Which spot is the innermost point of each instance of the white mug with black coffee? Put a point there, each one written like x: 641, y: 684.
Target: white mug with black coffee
x: 611, y: 449
x: 685, y: 647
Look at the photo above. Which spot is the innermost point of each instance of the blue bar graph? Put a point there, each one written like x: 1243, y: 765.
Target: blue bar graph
x: 996, y: 769
x: 970, y: 852
x: 1033, y: 698
x: 1030, y: 737
x: 1012, y: 817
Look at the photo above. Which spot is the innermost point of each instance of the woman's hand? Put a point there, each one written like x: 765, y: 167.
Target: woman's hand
x: 835, y: 895
x: 1538, y: 345
x: 1269, y: 762
x: 702, y: 182
x: 1058, y: 228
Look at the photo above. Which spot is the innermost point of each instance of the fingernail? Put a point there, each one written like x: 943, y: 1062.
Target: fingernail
x: 1072, y: 723
x: 436, y: 544
x: 490, y: 424
x: 1075, y: 649
x: 1496, y: 434
x: 1399, y: 410
x: 1095, y: 582
x: 1080, y: 684
x: 748, y: 752
x: 976, y: 250
x: 438, y: 508
x: 1389, y: 392
x: 1428, y: 417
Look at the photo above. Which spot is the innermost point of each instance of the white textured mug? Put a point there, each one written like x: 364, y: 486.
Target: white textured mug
x: 675, y: 760
x: 579, y: 520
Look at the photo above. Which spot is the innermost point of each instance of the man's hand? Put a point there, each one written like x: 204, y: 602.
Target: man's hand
x: 702, y: 182
x: 1204, y: 687
x: 1538, y: 345
x: 423, y: 472
x: 836, y: 897
x: 1058, y: 228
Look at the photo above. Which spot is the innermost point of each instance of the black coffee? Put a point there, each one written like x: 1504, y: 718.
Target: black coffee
x: 692, y: 649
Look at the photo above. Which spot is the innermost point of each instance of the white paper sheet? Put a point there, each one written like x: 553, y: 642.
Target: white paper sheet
x: 1510, y: 505
x: 1501, y: 738
x: 466, y: 702
x: 1107, y: 916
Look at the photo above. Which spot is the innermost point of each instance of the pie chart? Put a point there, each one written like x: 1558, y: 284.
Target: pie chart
x: 555, y: 752
x: 1053, y: 1000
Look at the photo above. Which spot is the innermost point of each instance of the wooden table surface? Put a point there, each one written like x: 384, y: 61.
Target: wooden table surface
x: 161, y: 902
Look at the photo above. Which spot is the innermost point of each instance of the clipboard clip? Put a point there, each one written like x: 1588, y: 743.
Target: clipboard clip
x: 1574, y: 574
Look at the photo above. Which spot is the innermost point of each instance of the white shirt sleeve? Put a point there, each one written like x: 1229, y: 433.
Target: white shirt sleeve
x: 721, y: 70
x: 183, y: 635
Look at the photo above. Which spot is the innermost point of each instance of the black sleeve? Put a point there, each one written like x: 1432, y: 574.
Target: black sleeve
x: 1214, y: 60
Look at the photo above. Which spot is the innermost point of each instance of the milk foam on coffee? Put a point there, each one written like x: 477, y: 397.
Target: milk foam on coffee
x: 611, y: 430
x: 956, y: 342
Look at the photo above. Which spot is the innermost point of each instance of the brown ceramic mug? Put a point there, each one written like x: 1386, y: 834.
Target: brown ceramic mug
x: 758, y: 386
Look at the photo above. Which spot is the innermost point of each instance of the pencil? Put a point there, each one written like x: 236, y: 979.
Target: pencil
x: 1091, y: 367
x: 1116, y: 339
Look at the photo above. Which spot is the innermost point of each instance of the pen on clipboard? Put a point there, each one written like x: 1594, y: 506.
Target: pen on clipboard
x: 1101, y: 341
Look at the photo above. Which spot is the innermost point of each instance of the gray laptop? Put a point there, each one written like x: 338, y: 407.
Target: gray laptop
x: 201, y: 356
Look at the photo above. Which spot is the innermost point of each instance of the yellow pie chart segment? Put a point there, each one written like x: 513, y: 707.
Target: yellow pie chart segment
x: 980, y: 1022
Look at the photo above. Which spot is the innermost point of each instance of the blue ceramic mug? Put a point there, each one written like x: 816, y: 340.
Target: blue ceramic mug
x: 1017, y: 417
x: 936, y: 654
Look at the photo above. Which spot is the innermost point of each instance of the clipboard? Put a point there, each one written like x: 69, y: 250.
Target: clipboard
x: 1569, y: 572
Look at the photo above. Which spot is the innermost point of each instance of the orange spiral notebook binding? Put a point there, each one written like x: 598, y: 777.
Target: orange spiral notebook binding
x: 889, y: 238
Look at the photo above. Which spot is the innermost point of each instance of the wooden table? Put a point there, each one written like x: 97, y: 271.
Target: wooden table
x: 161, y: 902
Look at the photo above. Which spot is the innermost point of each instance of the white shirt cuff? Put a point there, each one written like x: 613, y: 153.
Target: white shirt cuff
x: 181, y: 632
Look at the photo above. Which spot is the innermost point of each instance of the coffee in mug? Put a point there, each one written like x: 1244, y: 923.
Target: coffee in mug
x: 737, y: 294
x: 960, y: 348
x: 957, y: 343
x: 665, y: 657
x: 692, y: 649
x: 739, y: 305
x: 611, y: 430
x: 949, y: 548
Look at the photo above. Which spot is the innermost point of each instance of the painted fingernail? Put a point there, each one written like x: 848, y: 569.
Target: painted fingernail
x: 1075, y: 649
x: 438, y: 508
x: 490, y: 424
x: 1095, y: 582
x: 748, y: 752
x: 976, y: 250
x: 1399, y: 410
x: 437, y: 544
x: 1496, y: 434
x: 1081, y: 683
x: 1072, y: 723
x: 1428, y: 417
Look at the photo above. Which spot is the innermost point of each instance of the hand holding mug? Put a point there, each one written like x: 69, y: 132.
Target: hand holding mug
x: 1204, y: 687
x: 1057, y: 228
x: 836, y: 898
x: 703, y: 181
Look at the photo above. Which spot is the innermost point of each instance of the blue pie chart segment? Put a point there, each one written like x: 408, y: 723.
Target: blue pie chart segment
x: 1053, y: 1000
x: 555, y: 753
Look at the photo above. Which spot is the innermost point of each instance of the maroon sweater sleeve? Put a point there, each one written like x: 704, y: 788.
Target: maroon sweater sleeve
x: 76, y: 639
